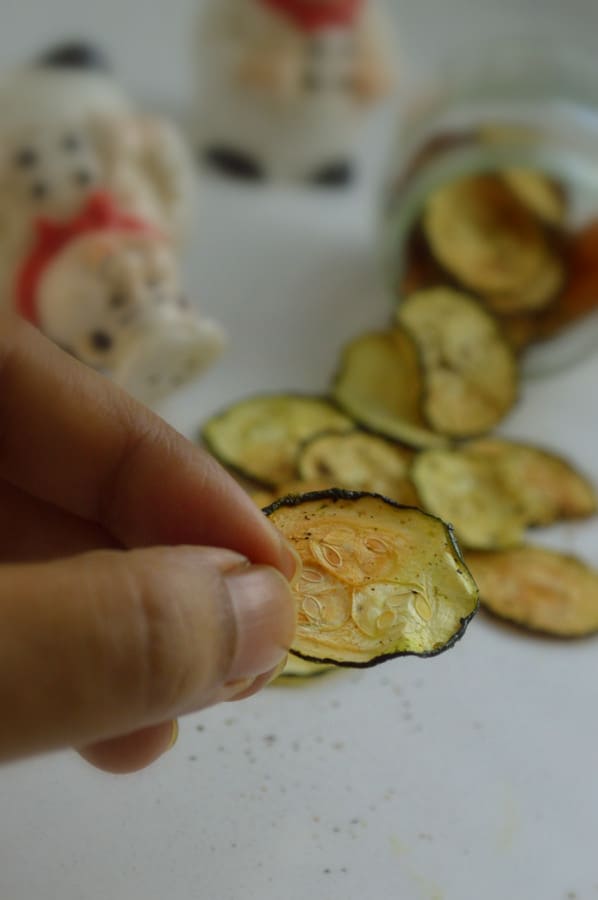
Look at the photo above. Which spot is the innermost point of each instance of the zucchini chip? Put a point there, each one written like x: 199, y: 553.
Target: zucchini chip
x: 379, y: 580
x: 538, y: 589
x: 471, y: 371
x: 544, y: 196
x: 486, y: 237
x: 578, y: 299
x: 297, y: 486
x: 259, y: 437
x: 359, y: 461
x: 380, y: 385
x: 546, y: 486
x: 467, y: 491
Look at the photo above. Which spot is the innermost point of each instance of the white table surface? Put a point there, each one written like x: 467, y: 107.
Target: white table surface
x: 472, y: 776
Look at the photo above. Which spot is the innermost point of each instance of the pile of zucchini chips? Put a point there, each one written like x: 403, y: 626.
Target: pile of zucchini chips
x: 363, y: 480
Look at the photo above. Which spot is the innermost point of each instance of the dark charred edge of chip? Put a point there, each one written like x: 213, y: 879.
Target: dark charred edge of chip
x: 204, y: 438
x: 336, y: 494
x: 541, y: 633
x: 378, y: 660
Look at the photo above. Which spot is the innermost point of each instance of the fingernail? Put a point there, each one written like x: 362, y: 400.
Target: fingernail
x: 174, y: 735
x: 291, y: 561
x: 234, y: 689
x: 278, y: 670
x: 265, y: 616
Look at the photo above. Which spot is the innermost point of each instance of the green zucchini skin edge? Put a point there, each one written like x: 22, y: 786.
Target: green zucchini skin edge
x: 336, y: 494
x: 206, y: 441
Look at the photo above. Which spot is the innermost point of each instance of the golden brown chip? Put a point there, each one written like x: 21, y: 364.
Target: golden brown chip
x: 260, y: 436
x: 471, y: 372
x: 541, y: 291
x: 378, y: 580
x: 546, y: 486
x: 380, y: 385
x: 542, y: 195
x: 468, y: 492
x: 481, y: 232
x: 538, y: 589
x: 359, y: 461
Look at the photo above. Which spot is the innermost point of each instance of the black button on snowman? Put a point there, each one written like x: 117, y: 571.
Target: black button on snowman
x: 94, y: 203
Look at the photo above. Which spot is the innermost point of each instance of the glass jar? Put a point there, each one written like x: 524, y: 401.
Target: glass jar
x: 515, y: 124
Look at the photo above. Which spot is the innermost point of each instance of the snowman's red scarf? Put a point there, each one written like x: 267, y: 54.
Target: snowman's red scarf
x: 312, y: 17
x: 100, y: 213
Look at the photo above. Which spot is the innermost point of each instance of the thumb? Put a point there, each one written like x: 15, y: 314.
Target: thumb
x: 110, y: 642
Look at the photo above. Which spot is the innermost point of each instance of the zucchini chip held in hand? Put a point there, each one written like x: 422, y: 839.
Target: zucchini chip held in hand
x: 379, y: 580
x: 538, y: 589
x: 259, y: 437
x: 470, y: 368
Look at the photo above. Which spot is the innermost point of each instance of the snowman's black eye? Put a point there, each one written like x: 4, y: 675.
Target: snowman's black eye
x: 101, y: 341
x: 118, y: 301
x: 70, y: 143
x: 26, y: 158
x: 39, y: 190
x: 83, y: 177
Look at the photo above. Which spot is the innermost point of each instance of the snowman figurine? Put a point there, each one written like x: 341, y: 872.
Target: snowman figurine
x: 284, y: 86
x: 94, y: 209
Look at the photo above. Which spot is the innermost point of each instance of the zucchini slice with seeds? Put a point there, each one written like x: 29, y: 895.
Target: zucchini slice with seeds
x: 379, y: 580
x: 547, y: 487
x: 359, y: 461
x: 467, y: 491
x: 538, y: 589
x: 380, y: 384
x: 259, y: 436
x: 486, y: 237
x: 471, y: 370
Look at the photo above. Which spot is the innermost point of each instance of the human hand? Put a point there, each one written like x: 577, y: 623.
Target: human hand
x: 138, y: 582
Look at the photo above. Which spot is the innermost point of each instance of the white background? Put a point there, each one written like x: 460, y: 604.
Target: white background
x: 473, y: 776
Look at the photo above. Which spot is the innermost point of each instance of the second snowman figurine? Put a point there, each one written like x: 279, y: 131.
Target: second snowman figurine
x: 284, y: 86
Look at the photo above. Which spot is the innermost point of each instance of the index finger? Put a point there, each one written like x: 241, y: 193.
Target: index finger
x: 72, y: 438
